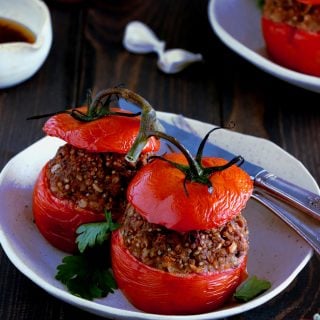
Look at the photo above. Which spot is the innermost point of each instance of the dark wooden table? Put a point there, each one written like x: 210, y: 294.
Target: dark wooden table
x: 87, y: 52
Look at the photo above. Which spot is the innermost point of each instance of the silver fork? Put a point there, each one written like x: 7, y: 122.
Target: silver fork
x: 307, y: 227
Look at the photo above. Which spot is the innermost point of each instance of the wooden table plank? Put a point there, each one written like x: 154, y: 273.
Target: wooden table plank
x: 106, y: 62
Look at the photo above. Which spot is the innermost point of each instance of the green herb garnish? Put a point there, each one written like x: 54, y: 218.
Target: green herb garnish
x: 251, y: 288
x: 88, y: 274
x: 96, y: 233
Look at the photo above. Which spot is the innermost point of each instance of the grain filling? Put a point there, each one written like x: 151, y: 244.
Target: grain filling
x: 294, y: 13
x: 190, y: 252
x: 94, y: 181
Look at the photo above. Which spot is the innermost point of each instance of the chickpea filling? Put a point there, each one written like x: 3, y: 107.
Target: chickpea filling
x: 190, y: 252
x: 94, y: 181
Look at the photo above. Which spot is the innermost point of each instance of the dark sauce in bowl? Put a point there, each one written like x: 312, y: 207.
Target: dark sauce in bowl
x: 12, y: 31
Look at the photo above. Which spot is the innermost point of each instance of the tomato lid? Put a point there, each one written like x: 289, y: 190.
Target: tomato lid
x: 108, y: 134
x: 161, y: 195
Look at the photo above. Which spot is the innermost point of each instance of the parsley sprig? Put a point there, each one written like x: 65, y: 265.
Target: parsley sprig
x: 251, y: 288
x: 95, y: 233
x: 88, y: 274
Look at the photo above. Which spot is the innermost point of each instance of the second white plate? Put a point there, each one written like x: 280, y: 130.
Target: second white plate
x: 237, y: 24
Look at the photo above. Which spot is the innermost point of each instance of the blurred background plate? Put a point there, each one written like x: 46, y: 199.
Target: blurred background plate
x: 237, y: 24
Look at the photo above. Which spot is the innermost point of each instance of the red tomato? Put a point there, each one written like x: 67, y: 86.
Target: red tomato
x: 166, y: 202
x: 311, y: 2
x: 58, y: 220
x: 291, y: 47
x: 108, y: 134
x: 156, y: 291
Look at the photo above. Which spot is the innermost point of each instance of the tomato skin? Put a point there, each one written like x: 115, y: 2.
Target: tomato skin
x: 156, y: 291
x: 108, y: 134
x: 168, y: 204
x: 56, y: 219
x: 292, y: 47
x: 312, y: 2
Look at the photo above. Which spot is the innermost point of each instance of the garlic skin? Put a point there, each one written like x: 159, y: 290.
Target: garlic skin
x: 175, y: 60
x: 140, y: 39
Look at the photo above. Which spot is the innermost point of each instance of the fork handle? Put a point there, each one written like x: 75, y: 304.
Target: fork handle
x: 307, y: 228
x: 294, y: 195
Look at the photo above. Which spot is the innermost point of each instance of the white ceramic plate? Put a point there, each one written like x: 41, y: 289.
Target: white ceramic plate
x: 237, y: 24
x: 34, y: 257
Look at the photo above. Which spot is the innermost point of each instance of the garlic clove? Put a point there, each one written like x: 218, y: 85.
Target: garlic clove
x: 139, y: 38
x: 175, y: 60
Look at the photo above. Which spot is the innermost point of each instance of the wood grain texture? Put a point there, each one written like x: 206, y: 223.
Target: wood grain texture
x: 87, y: 53
x: 106, y: 63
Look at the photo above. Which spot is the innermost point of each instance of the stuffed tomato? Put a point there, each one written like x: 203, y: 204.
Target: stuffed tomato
x: 182, y: 249
x: 291, y: 30
x: 87, y: 176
